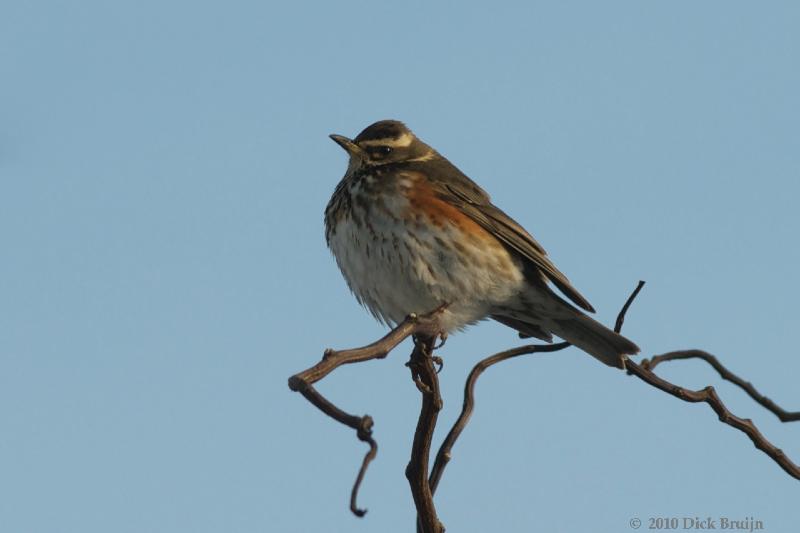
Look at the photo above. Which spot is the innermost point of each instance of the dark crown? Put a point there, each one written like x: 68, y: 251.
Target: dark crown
x: 384, y: 129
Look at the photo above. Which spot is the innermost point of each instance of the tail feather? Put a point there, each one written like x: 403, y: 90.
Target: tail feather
x: 594, y: 338
x: 526, y: 329
x: 561, y: 319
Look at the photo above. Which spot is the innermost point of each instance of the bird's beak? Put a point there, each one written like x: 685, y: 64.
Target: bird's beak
x: 349, y: 146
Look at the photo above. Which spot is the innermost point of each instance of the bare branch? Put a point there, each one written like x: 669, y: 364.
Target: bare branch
x: 332, y: 359
x: 783, y: 415
x: 644, y: 371
x: 445, y: 450
x: 709, y: 396
x: 627, y: 305
x: 425, y: 376
x: 425, y: 330
x: 302, y: 382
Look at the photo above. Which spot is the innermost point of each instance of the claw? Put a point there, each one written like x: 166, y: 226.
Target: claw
x: 415, y: 377
x: 442, y: 340
x: 439, y: 362
x: 424, y: 389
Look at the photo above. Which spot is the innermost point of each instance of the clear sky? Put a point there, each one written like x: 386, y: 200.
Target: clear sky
x: 164, y: 167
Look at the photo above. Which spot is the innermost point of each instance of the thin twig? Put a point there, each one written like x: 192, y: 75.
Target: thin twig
x: 363, y: 427
x: 302, y: 382
x: 709, y: 396
x: 445, y: 450
x: 425, y: 329
x: 332, y: 359
x: 644, y: 371
x: 727, y: 375
x: 626, y: 306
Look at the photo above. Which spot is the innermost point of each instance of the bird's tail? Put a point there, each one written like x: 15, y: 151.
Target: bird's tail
x: 594, y: 338
x: 550, y: 314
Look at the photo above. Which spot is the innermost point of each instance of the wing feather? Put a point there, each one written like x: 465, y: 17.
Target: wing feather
x: 457, y: 189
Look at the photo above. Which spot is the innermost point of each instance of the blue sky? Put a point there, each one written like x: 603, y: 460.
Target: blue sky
x: 164, y: 167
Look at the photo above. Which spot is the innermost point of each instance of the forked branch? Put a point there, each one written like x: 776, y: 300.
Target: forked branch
x: 425, y: 326
x: 709, y: 395
x: 782, y: 414
x: 425, y: 330
x: 643, y: 371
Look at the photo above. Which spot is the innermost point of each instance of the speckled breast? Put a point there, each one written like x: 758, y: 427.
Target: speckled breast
x: 402, y: 249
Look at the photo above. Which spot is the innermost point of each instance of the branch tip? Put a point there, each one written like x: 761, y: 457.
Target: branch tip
x: 296, y: 383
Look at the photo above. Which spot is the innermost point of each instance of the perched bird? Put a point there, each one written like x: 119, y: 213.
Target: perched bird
x: 410, y: 233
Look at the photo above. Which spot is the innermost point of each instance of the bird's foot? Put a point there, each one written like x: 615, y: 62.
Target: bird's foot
x: 417, y: 378
x: 442, y: 339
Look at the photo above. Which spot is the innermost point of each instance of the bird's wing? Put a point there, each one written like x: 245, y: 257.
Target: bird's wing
x: 463, y: 193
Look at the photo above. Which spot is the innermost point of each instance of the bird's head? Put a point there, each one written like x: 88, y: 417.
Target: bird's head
x: 387, y: 141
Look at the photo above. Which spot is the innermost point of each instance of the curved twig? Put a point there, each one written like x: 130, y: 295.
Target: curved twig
x: 727, y: 375
x: 445, y: 450
x: 445, y: 454
x: 627, y: 305
x: 364, y: 434
x: 302, y: 382
x: 425, y: 329
x: 645, y: 373
x: 332, y: 359
x: 709, y: 395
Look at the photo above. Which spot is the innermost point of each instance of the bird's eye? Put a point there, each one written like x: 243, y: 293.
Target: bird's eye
x: 385, y: 150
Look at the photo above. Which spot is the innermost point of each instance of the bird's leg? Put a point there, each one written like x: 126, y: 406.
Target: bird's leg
x: 424, y: 345
x: 430, y: 337
x: 428, y: 326
x: 424, y: 389
x: 436, y: 359
x: 439, y: 362
x: 442, y: 339
x: 423, y: 348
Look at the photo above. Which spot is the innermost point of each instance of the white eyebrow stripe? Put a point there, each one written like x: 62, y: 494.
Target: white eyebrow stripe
x: 427, y: 156
x: 404, y: 140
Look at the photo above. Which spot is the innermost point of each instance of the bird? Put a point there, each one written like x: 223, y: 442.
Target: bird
x: 411, y: 233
